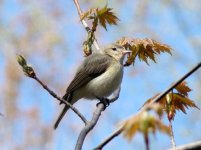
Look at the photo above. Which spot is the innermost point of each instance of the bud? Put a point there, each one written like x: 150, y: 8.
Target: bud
x: 170, y: 116
x: 86, y: 49
x: 169, y: 98
x: 21, y: 60
x: 28, y: 70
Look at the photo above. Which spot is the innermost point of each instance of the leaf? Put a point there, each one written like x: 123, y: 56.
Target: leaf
x: 88, y: 14
x: 131, y: 126
x: 146, y: 49
x: 162, y: 127
x: 173, y: 102
x: 149, y: 48
x: 124, y: 42
x: 102, y: 16
x: 161, y: 47
x: 144, y: 123
x: 105, y: 15
x: 181, y: 100
x: 183, y: 89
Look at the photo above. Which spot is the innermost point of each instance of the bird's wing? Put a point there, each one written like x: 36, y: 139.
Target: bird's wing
x: 93, y: 66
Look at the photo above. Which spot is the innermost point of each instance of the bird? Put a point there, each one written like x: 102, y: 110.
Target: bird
x: 98, y: 76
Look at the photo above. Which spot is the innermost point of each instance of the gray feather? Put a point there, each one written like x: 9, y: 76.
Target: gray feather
x: 90, y: 69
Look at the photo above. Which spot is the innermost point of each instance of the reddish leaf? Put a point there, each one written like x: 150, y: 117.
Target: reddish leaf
x: 143, y: 48
x: 183, y: 89
x: 103, y: 16
x: 144, y: 123
x: 173, y: 102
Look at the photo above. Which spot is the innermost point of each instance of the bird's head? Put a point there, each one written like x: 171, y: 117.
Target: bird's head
x: 116, y: 51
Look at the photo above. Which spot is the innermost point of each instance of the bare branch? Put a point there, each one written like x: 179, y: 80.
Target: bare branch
x: 84, y: 22
x: 190, y: 146
x: 78, y: 7
x: 157, y: 99
x: 29, y: 71
x: 113, y: 135
x: 89, y: 126
x: 60, y: 99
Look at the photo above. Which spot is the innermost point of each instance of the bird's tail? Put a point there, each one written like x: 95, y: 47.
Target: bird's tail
x: 65, y: 109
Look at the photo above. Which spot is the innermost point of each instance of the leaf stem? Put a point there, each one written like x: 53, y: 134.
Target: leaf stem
x: 84, y: 22
x: 172, y: 134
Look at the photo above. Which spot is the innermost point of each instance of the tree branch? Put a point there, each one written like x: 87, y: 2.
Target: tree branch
x: 107, y: 140
x: 157, y: 99
x: 84, y: 22
x: 29, y: 71
x: 89, y: 126
x: 60, y: 99
x: 190, y: 146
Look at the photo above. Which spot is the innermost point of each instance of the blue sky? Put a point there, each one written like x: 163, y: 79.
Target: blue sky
x: 140, y: 82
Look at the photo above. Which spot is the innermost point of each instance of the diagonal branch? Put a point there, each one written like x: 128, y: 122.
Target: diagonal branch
x: 89, y: 126
x: 60, y: 99
x: 191, y: 146
x: 107, y: 140
x: 29, y: 71
x: 157, y: 99
x: 84, y: 22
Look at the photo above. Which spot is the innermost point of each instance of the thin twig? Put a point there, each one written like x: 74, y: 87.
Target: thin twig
x: 146, y: 138
x: 84, y: 22
x: 113, y: 135
x: 60, y: 99
x: 78, y: 7
x: 172, y: 134
x: 157, y: 99
x: 89, y: 126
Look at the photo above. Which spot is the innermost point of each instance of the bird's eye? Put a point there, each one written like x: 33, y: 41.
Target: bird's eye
x: 114, y: 49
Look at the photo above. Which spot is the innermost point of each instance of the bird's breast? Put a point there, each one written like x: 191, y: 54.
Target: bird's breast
x: 106, y: 83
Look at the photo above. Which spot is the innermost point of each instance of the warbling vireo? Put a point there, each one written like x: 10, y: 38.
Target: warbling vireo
x: 98, y: 76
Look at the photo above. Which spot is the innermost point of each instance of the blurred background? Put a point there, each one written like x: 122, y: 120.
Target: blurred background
x: 49, y: 34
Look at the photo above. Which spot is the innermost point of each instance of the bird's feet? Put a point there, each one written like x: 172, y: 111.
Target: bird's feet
x: 104, y: 101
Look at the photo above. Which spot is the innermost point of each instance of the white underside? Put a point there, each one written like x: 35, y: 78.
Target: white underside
x: 103, y: 85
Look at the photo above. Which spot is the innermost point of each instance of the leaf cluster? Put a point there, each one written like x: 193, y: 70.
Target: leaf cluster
x: 176, y: 100
x: 143, y: 48
x: 101, y: 16
x: 145, y: 123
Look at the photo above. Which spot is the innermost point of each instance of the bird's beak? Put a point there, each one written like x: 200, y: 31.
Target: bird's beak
x: 124, y: 52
